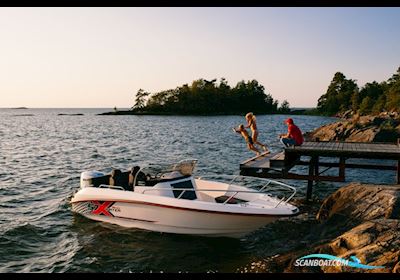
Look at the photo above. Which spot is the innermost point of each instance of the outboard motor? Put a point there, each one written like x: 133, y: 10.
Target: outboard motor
x: 92, y: 179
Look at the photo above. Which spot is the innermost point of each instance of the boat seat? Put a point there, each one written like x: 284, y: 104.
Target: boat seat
x: 223, y: 198
x: 131, y: 176
x: 103, y: 180
x: 151, y: 182
x: 125, y: 180
x: 117, y: 178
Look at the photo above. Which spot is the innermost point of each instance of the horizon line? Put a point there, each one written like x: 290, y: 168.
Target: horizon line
x: 23, y: 107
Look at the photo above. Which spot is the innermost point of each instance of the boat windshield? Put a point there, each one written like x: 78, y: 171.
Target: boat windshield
x: 156, y: 172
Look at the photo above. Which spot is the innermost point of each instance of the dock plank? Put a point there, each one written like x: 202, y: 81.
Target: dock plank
x: 261, y: 161
x: 279, y: 156
x: 348, y: 149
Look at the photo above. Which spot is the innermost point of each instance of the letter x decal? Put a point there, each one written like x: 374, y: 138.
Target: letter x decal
x: 102, y: 208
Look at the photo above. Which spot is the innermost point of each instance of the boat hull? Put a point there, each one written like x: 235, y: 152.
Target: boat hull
x: 169, y: 219
x: 161, y: 208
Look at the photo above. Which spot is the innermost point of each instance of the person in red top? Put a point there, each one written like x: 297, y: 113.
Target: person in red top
x: 294, y: 137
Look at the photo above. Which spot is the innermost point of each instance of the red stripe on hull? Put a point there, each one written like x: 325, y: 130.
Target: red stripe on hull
x: 199, y: 210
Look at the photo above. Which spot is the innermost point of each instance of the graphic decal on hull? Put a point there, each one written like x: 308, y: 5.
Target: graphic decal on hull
x: 83, y: 208
x: 102, y: 208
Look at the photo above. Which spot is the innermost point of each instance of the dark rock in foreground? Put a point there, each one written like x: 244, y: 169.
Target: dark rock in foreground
x: 360, y: 220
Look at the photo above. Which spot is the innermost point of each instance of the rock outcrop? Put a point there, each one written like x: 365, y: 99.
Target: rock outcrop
x: 374, y: 210
x: 376, y: 243
x: 355, y: 203
x: 381, y: 128
x: 358, y: 220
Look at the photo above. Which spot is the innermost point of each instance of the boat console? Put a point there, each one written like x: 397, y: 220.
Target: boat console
x: 148, y: 176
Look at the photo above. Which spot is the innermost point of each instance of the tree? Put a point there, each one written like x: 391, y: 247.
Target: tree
x: 209, y: 97
x: 366, y: 105
x: 373, y: 90
x: 393, y: 92
x: 338, y: 95
x: 374, y: 97
x: 140, y: 100
x: 395, y: 78
x: 379, y: 105
x: 355, y: 101
x: 284, y: 108
x: 393, y: 98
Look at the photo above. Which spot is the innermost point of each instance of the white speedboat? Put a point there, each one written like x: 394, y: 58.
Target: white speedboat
x: 172, y: 200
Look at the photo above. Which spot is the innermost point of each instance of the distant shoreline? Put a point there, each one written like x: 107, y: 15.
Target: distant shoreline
x: 129, y: 112
x: 63, y: 114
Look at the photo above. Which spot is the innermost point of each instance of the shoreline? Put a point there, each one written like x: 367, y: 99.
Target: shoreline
x: 127, y: 112
x: 356, y: 220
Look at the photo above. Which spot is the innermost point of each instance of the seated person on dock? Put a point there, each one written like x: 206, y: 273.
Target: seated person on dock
x: 293, y: 137
x: 241, y: 130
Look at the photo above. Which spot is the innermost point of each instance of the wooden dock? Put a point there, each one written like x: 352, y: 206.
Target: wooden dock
x: 278, y: 165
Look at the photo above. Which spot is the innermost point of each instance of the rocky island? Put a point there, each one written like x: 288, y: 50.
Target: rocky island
x: 206, y: 98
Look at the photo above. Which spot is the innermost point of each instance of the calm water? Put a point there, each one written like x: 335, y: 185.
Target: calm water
x: 43, y: 154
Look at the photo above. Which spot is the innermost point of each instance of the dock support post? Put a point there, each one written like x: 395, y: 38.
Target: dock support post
x: 311, y: 171
x: 316, y: 166
x: 342, y: 167
x: 398, y: 171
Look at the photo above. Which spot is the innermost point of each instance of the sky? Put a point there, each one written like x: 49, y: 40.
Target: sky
x: 100, y: 57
